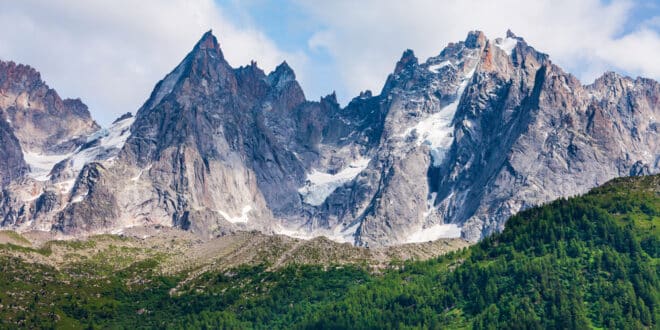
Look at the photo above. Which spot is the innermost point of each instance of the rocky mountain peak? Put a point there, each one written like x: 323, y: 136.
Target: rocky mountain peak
x: 408, y: 60
x: 40, y: 119
x: 450, y: 147
x: 208, y: 42
x: 475, y: 39
x: 17, y: 77
x: 282, y: 75
x: 510, y: 34
x: 330, y: 99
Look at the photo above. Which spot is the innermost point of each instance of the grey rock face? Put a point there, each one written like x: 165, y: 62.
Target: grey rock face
x: 40, y: 119
x: 451, y: 146
x: 12, y: 164
x: 527, y: 133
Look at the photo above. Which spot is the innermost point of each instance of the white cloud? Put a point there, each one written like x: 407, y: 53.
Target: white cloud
x: 585, y: 37
x: 112, y: 52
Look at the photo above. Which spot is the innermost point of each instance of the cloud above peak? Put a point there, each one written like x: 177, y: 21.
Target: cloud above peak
x: 112, y: 53
x: 585, y: 37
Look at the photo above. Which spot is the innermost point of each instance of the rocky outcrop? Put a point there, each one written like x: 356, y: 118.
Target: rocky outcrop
x: 12, y: 164
x: 40, y: 119
x: 527, y: 133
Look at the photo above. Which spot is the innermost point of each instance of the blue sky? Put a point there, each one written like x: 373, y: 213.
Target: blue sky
x: 111, y: 53
x: 290, y: 26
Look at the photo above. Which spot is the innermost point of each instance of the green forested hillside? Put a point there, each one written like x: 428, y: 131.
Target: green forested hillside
x: 589, y: 261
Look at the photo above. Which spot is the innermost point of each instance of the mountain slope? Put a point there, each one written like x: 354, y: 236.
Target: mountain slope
x: 588, y: 261
x: 485, y: 129
x: 12, y: 163
x: 38, y: 130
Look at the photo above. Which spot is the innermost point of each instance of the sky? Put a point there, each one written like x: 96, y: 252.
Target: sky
x: 111, y: 53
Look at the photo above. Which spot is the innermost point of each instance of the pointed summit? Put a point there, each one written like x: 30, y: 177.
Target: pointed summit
x: 408, y: 59
x: 281, y: 76
x: 510, y: 34
x: 330, y: 99
x: 204, y: 60
x: 284, y: 68
x: 475, y: 39
x: 208, y: 42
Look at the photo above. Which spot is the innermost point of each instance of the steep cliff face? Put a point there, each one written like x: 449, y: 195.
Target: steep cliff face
x: 40, y: 119
x: 484, y: 130
x: 527, y: 132
x: 37, y: 131
x: 12, y: 164
x: 450, y: 147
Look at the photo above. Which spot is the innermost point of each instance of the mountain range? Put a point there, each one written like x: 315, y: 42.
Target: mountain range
x: 450, y: 147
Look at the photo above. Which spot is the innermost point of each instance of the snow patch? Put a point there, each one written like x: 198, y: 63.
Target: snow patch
x: 507, y: 44
x: 436, y: 131
x: 320, y: 185
x: 435, y: 67
x: 339, y: 234
x: 78, y: 198
x: 243, y: 218
x: 435, y: 232
x: 41, y: 164
x: 109, y: 143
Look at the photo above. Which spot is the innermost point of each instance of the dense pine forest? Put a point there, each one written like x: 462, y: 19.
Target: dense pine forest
x: 584, y: 262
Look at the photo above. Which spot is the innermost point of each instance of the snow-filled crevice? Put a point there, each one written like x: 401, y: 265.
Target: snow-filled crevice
x: 436, y: 131
x: 436, y: 67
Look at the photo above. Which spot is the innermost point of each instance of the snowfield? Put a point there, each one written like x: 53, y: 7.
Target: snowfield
x: 435, y: 232
x: 436, y: 131
x: 243, y: 218
x: 320, y: 184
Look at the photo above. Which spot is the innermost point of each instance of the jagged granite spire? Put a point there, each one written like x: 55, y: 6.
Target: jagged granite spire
x: 282, y: 75
x: 452, y: 146
x: 42, y: 121
x: 208, y: 42
x: 408, y: 60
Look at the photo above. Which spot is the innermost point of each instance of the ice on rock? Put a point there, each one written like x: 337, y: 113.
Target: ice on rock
x: 109, y: 142
x: 436, y: 131
x: 435, y: 232
x: 339, y: 234
x: 435, y: 67
x: 243, y: 218
x: 320, y: 184
x: 41, y: 165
